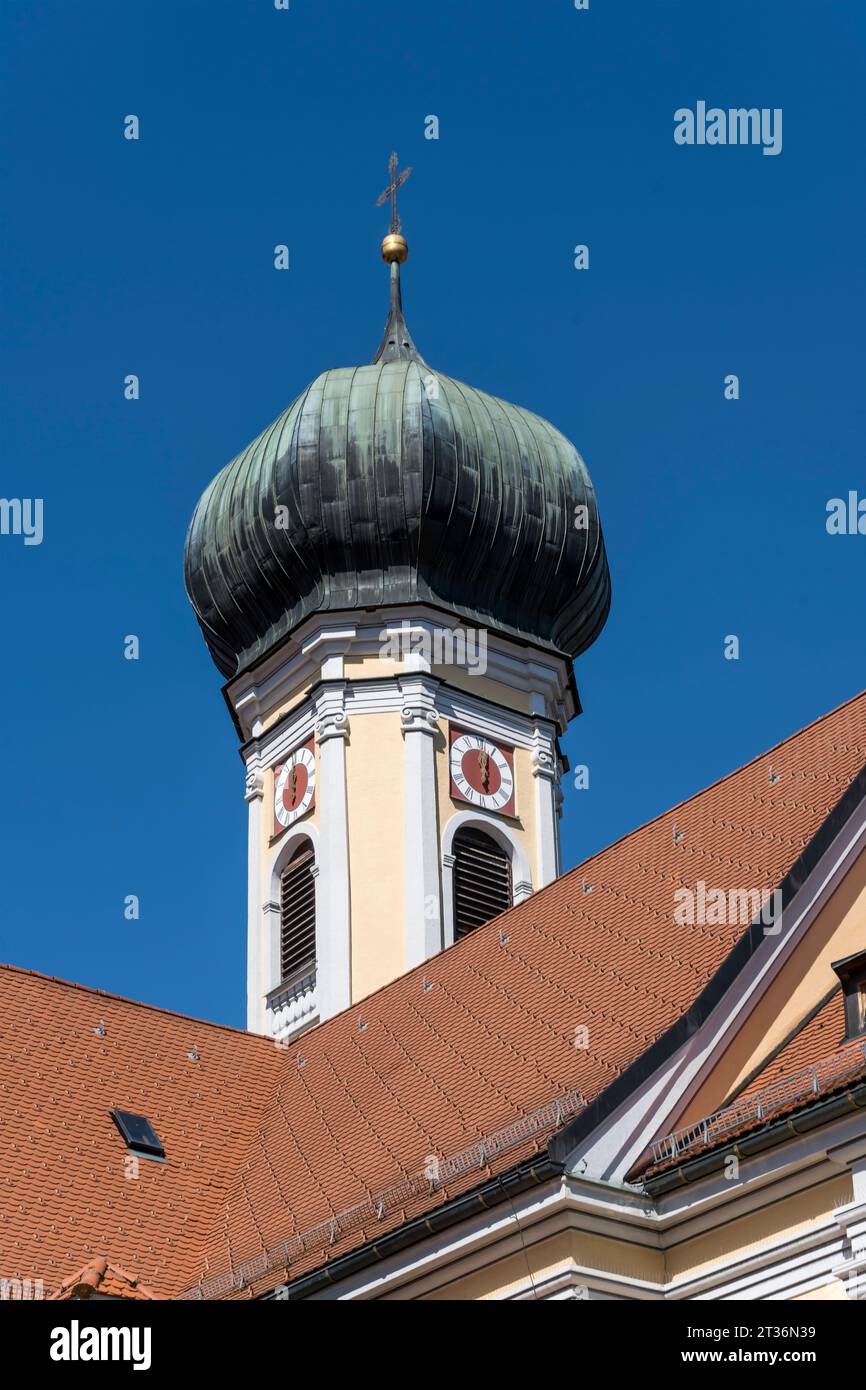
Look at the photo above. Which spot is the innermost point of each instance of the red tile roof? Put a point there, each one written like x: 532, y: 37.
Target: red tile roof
x: 67, y: 1196
x: 821, y: 1036
x: 264, y: 1144
x: 493, y: 1034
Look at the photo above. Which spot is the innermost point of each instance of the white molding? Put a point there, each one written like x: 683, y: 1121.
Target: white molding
x: 422, y: 886
x: 483, y: 717
x: 490, y: 1236
x: 384, y: 696
x: 275, y: 746
x: 333, y: 942
x: 782, y: 1268
x: 255, y: 959
x: 656, y: 1106
x: 545, y: 778
x: 292, y: 1008
x: 567, y: 1283
x: 437, y: 1261
x: 851, y: 1220
x: 780, y: 1271
x: 316, y: 652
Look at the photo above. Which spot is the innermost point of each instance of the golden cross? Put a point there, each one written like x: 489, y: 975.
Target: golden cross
x: 397, y: 181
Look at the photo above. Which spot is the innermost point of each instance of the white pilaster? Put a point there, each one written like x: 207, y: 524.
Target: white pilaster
x: 422, y: 893
x: 546, y: 819
x: 334, y: 973
x: 253, y: 794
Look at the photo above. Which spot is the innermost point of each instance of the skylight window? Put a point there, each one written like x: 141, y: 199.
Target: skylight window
x: 139, y: 1133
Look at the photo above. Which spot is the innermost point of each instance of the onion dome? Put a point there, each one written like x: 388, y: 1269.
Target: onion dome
x: 395, y: 484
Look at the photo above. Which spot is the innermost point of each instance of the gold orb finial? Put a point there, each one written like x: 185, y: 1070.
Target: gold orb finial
x: 394, y: 248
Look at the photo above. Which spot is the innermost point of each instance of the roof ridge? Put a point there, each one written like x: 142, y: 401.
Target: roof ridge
x: 139, y: 1003
x: 719, y: 781
x: 92, y: 1274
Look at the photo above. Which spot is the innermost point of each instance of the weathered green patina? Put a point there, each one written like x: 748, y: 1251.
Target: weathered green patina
x: 390, y: 484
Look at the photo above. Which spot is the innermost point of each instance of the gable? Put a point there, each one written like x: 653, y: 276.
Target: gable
x: 801, y: 985
x: 776, y: 990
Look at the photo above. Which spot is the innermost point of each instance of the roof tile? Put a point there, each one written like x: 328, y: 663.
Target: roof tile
x: 260, y: 1149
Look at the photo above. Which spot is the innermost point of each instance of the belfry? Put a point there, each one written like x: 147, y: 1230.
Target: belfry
x: 389, y: 520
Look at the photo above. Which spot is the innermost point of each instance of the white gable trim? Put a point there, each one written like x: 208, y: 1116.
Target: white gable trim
x: 655, y: 1107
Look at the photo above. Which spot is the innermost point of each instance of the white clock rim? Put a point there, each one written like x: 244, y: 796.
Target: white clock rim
x: 488, y: 800
x: 304, y: 804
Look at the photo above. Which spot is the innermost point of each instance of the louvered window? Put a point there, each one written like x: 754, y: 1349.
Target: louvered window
x: 298, y: 913
x: 482, y: 880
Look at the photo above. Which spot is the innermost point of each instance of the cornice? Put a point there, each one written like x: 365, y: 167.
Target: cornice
x: 430, y: 1255
x: 396, y: 694
x: 318, y: 652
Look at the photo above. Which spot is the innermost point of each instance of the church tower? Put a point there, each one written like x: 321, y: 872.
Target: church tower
x: 394, y: 578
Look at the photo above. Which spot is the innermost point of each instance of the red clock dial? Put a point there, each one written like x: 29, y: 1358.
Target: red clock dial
x: 482, y: 772
x: 294, y: 787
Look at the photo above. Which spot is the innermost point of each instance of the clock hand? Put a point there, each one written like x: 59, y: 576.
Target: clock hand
x: 484, y: 764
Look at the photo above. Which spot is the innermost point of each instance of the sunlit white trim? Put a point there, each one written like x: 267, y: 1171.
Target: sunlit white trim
x: 422, y: 895
x: 655, y: 1107
x: 781, y: 1268
x: 318, y: 649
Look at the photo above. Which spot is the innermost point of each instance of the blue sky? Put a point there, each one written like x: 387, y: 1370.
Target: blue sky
x: 155, y: 257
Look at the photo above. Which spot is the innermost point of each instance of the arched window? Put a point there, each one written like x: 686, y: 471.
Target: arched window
x: 482, y: 880
x: 298, y: 913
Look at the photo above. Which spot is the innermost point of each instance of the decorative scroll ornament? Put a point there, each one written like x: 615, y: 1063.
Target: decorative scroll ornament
x: 418, y: 719
x: 254, y: 786
x: 543, y: 764
x: 332, y: 724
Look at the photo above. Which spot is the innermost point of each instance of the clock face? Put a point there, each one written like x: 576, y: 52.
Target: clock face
x: 482, y: 772
x: 294, y: 787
